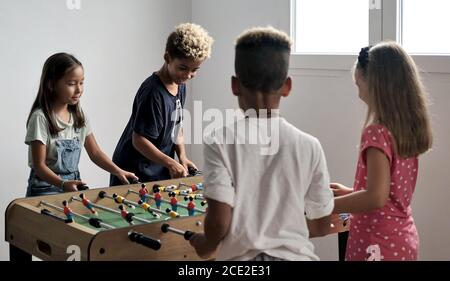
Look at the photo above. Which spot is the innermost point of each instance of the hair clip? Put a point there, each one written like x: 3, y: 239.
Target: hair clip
x: 363, y: 57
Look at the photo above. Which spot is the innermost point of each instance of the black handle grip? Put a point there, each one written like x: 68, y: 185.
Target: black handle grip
x: 82, y: 187
x: 144, y: 240
x: 165, y: 227
x: 188, y: 234
x: 133, y: 181
x: 193, y: 172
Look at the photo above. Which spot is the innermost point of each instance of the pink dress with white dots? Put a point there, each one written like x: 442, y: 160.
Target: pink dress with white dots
x: 388, y: 233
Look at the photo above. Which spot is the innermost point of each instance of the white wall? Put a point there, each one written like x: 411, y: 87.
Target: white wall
x: 119, y: 42
x: 324, y: 103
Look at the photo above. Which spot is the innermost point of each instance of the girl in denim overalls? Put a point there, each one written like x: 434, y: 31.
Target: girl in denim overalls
x: 57, y: 129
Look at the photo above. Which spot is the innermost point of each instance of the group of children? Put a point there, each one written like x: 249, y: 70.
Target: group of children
x: 244, y: 188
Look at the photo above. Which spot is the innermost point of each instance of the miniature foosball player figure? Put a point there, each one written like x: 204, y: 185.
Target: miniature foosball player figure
x: 67, y: 211
x: 146, y: 207
x: 121, y: 200
x: 172, y: 214
x: 157, y: 195
x: 195, y: 196
x: 173, y: 201
x: 126, y: 215
x: 191, y: 206
x: 143, y: 193
x: 87, y: 203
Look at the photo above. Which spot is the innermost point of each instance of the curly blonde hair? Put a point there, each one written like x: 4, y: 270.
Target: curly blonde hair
x: 189, y: 40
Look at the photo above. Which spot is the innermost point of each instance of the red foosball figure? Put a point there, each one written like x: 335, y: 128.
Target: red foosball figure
x: 67, y: 211
x: 157, y: 195
x: 87, y: 203
x: 126, y: 215
x: 191, y: 206
x: 173, y: 201
x: 143, y: 192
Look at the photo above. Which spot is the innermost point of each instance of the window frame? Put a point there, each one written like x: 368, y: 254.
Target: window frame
x: 384, y: 24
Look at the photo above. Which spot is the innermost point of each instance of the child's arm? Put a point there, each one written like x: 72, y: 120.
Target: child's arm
x: 319, y: 227
x: 149, y: 150
x: 340, y: 189
x: 217, y: 223
x: 39, y: 152
x: 377, y: 191
x: 181, y: 152
x: 103, y: 161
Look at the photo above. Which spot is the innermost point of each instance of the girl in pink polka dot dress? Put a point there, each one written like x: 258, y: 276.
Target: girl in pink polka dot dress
x: 396, y: 132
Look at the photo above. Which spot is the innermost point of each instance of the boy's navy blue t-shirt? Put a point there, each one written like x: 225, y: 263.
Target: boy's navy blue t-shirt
x: 151, y: 118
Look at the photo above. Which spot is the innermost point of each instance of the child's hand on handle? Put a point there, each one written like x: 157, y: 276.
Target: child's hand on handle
x: 72, y: 185
x: 201, y: 245
x: 340, y: 189
x: 177, y: 170
x: 125, y: 176
x: 187, y: 164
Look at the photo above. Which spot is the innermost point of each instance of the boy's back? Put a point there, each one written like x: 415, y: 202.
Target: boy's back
x: 264, y: 178
x: 268, y: 193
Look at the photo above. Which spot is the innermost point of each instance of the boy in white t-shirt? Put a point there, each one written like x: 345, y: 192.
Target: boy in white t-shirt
x: 267, y: 183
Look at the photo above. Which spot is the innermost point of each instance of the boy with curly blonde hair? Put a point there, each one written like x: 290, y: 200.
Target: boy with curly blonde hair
x: 154, y: 132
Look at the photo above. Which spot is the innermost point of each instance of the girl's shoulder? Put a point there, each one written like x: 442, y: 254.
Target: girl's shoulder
x: 38, y: 115
x: 377, y: 135
x: 376, y: 128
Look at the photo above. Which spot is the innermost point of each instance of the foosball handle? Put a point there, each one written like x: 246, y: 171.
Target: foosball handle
x: 82, y: 187
x: 193, y: 172
x: 133, y: 181
x: 102, y: 194
x: 165, y: 227
x: 188, y: 234
x: 144, y: 240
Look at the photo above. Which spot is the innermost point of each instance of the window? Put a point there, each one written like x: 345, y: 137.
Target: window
x: 328, y: 34
x: 425, y: 26
x: 330, y: 26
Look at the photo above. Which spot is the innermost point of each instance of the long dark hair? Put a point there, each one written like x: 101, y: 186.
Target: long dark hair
x: 55, y: 67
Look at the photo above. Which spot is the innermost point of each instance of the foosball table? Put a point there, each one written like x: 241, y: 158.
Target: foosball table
x: 150, y: 221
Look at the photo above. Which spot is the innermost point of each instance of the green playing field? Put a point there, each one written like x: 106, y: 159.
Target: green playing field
x: 117, y: 221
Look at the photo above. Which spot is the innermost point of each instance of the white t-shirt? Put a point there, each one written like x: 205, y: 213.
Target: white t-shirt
x: 38, y: 129
x: 269, y: 192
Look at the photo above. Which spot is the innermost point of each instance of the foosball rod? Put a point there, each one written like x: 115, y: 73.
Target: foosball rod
x: 186, y: 234
x: 92, y: 221
x: 139, y: 238
x: 167, y: 201
x: 111, y: 210
x: 103, y: 194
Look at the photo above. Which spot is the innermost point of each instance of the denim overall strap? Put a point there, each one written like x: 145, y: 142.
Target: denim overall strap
x: 68, y: 157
